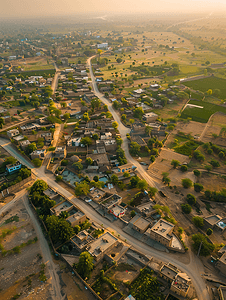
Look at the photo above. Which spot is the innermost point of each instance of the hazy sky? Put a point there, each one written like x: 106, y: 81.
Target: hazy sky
x: 30, y: 8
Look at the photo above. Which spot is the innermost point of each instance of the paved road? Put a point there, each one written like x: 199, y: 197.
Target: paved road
x: 46, y: 254
x: 195, y: 267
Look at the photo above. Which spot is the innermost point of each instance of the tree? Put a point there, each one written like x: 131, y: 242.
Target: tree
x: 59, y: 229
x: 215, y: 163
x: 198, y: 187
x: 96, y: 178
x: 186, y: 183
x: 221, y: 155
x: 134, y: 181
x: 119, y: 60
x: 138, y: 112
x: 199, y: 156
x: 198, y: 221
x: 64, y: 215
x: 119, y: 141
x: 152, y: 158
x: 152, y: 191
x: 175, y: 163
x: 134, y: 148
x: 1, y: 122
x: 123, y: 117
x: 31, y: 148
x: 82, y: 189
x: 126, y: 174
x: 186, y: 208
x: 184, y: 168
x: 86, y: 117
x: 86, y: 141
x: 85, y: 265
x: 24, y: 173
x: 95, y: 136
x: 155, y: 152
x: 191, y: 199
x: 209, y: 231
x: 131, y: 121
x: 206, y: 247
x: 209, y: 92
x: 197, y: 173
x: 39, y: 186
x: 142, y: 184
x: 66, y: 116
x: 208, y: 168
x: 78, y: 166
x: 95, y: 103
x: 89, y: 161
x: 37, y: 162
x: 114, y: 179
x: 133, y: 213
x: 59, y: 178
x: 115, y: 125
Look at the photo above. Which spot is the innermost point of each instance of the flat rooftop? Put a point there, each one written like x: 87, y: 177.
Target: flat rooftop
x: 97, y: 194
x: 222, y: 224
x: 102, y: 244
x: 169, y: 271
x: 163, y: 228
x: 112, y: 200
x: 213, y: 219
x: 141, y: 223
x: 82, y: 239
x: 76, y: 216
x: 117, y: 210
x: 63, y: 206
x: 50, y: 193
x: 181, y: 284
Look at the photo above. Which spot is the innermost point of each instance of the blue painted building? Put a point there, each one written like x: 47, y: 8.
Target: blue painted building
x: 12, y: 168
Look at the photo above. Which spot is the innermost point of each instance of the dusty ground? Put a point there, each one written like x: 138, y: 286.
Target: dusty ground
x: 19, y: 273
x: 215, y: 126
x: 193, y: 128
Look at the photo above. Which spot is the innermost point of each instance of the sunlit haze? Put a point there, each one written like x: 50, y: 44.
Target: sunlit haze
x: 41, y: 8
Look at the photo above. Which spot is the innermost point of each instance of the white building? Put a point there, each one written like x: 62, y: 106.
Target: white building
x: 102, y: 46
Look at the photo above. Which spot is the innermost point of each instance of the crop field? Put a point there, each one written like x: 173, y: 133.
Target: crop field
x: 199, y: 114
x: 205, y: 84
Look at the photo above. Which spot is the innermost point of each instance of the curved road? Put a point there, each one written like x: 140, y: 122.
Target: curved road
x: 195, y: 268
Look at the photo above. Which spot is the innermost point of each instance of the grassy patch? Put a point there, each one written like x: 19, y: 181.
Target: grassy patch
x: 187, y: 148
x: 201, y: 115
x: 208, y: 83
x: 13, y: 218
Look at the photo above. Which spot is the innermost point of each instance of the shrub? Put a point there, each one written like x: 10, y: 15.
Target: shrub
x: 197, y: 173
x: 64, y: 162
x: 133, y: 213
x: 198, y: 221
x: 37, y: 162
x: 184, y: 168
x: 186, y: 183
x: 175, y: 163
x: 59, y: 178
x: 209, y: 231
x: 215, y: 163
x: 198, y: 187
x: 186, y: 208
x: 191, y: 199
x: 180, y: 230
x: 199, y: 156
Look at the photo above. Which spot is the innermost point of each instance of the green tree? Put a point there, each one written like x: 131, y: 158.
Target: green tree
x: 197, y: 173
x: 175, y: 163
x: 209, y: 231
x: 199, y: 156
x: 78, y: 166
x: 89, y: 161
x: 95, y: 103
x: 184, y: 168
x: 85, y: 265
x: 198, y: 221
x: 152, y: 191
x: 198, y: 187
x: 191, y: 199
x: 114, y: 179
x: 59, y: 229
x: 37, y: 162
x: 142, y: 184
x: 31, y: 148
x: 66, y: 116
x: 115, y: 125
x: 134, y: 148
x: 86, y: 117
x: 186, y: 208
x: 215, y: 163
x: 1, y: 122
x: 39, y: 186
x: 59, y: 178
x: 186, y: 183
x: 133, y: 213
x: 95, y: 136
x: 134, y: 181
x: 126, y: 174
x: 138, y: 112
x: 152, y: 158
x: 82, y: 189
x: 206, y: 247
x: 123, y: 117
x: 86, y: 141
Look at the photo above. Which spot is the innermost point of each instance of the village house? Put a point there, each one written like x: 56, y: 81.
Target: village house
x: 38, y: 154
x: 24, y: 144
x: 150, y: 117
x: 60, y: 152
x: 161, y: 232
x: 139, y: 223
x: 81, y: 240
x: 13, y: 132
x: 12, y: 168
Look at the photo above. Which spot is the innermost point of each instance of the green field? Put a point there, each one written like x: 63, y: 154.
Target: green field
x: 36, y: 73
x: 201, y: 115
x: 205, y: 84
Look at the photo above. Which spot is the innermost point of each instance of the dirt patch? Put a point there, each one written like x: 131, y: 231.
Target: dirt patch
x: 212, y: 182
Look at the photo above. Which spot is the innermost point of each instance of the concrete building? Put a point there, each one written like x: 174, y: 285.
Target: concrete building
x: 110, y: 145
x: 181, y: 285
x: 150, y: 117
x: 109, y: 202
x: 221, y: 264
x: 99, y: 159
x: 139, y: 223
x: 51, y: 193
x: 38, y: 154
x: 102, y: 246
x: 168, y: 272
x: 130, y: 168
x: 74, y: 142
x: 76, y: 217
x: 162, y: 232
x: 24, y: 144
x: 13, y: 132
x: 12, y: 168
x: 211, y: 221
x: 102, y: 46
x: 60, y: 152
x: 81, y: 240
